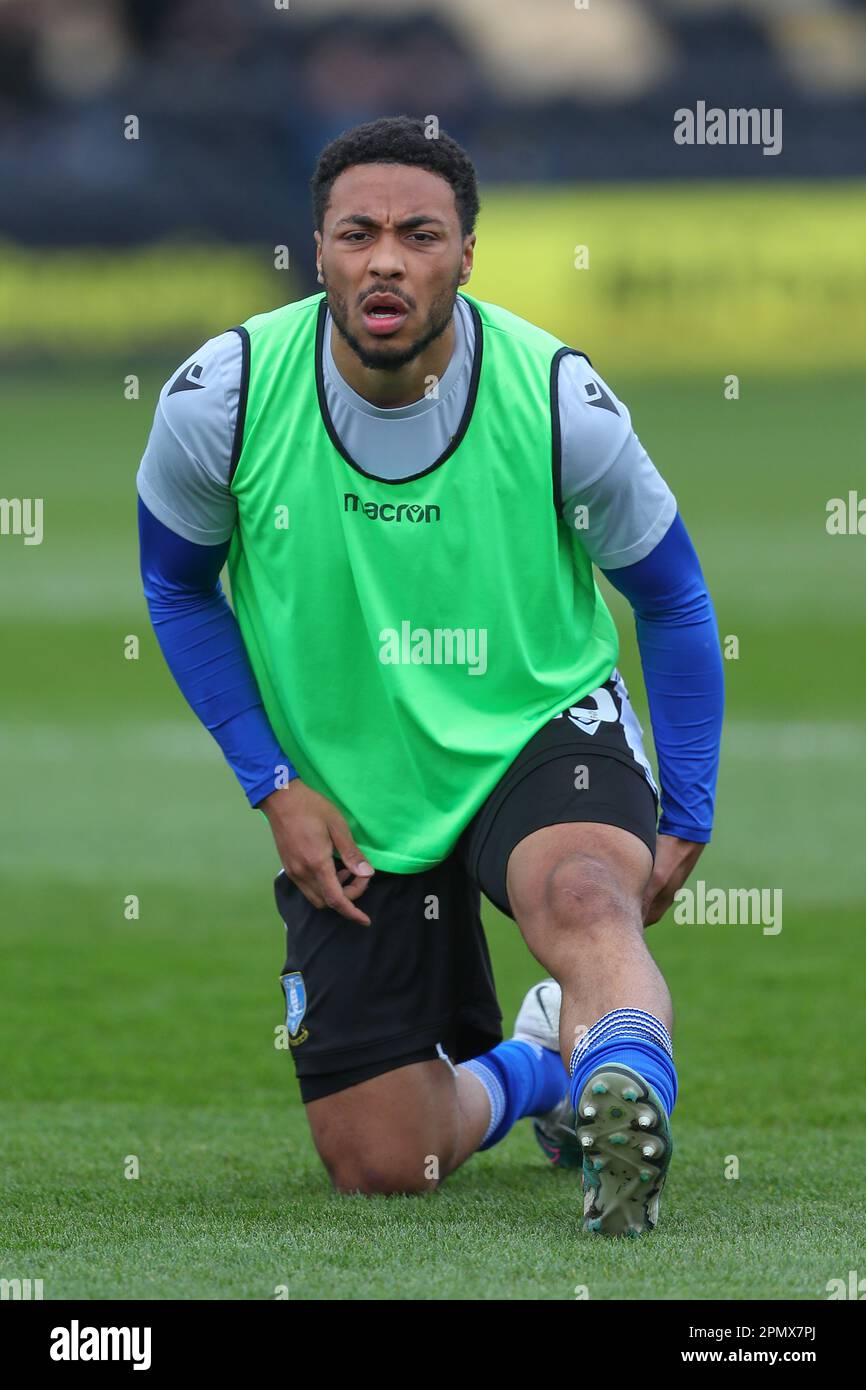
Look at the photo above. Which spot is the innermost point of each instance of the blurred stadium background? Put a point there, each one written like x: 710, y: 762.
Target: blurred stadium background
x: 153, y: 1036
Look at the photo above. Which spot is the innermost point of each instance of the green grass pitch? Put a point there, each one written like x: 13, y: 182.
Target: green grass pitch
x: 154, y: 1037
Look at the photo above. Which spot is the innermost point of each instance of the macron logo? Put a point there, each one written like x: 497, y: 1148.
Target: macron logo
x: 388, y: 511
x: 188, y: 380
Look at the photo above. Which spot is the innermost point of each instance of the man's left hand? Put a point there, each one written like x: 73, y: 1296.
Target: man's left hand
x: 675, y: 859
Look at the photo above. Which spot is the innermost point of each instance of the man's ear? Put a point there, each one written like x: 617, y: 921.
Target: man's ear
x: 317, y: 237
x: 468, y: 255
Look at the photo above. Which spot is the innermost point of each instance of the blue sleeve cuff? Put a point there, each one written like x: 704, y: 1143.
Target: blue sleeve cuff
x: 258, y: 793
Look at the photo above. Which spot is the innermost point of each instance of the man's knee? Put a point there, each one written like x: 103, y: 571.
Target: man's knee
x: 577, y: 877
x: 583, y: 892
x: 392, y: 1134
x: 372, y: 1173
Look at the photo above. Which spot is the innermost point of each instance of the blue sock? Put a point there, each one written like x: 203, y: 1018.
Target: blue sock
x: 520, y: 1078
x: 635, y: 1039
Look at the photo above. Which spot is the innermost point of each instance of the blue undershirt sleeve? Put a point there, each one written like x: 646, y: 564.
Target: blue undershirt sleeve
x: 202, y: 644
x: 681, y: 660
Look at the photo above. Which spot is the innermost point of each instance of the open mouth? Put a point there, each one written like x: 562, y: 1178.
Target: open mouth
x: 383, y: 314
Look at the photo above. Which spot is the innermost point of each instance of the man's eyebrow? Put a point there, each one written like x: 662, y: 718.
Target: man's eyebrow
x: 362, y: 219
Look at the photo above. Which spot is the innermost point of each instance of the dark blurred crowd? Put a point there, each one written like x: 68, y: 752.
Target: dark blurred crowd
x: 235, y: 98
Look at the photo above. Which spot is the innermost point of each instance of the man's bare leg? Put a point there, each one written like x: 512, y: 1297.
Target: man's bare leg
x: 576, y: 891
x: 402, y: 1131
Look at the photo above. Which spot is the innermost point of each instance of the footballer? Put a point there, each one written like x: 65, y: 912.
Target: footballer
x: 416, y: 683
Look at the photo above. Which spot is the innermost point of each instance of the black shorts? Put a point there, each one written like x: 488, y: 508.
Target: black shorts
x: 417, y: 983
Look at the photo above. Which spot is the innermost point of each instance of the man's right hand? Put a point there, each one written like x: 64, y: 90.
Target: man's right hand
x: 307, y: 828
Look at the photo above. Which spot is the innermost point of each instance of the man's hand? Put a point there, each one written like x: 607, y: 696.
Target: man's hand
x: 307, y: 828
x: 675, y: 859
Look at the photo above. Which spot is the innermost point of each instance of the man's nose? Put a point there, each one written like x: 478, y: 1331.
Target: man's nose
x: 386, y: 257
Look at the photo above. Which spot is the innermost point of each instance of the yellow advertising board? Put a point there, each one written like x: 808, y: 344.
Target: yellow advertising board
x: 711, y: 278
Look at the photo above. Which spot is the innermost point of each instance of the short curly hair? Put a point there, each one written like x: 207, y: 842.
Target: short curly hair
x: 397, y: 140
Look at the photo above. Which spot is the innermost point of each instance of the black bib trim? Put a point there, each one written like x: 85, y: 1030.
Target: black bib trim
x: 556, y: 430
x: 464, y: 419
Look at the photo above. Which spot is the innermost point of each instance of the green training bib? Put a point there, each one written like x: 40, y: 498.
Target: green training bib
x: 410, y: 637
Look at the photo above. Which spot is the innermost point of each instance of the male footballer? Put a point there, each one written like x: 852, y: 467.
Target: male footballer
x: 417, y: 685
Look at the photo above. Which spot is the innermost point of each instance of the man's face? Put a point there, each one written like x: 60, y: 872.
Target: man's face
x: 391, y: 256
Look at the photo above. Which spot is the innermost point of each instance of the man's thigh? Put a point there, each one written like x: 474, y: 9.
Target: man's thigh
x: 571, y: 880
x: 581, y: 791
x: 365, y: 1001
x: 398, y: 1132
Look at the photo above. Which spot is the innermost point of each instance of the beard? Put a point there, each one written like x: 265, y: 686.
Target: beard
x: 390, y: 359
